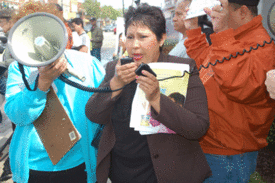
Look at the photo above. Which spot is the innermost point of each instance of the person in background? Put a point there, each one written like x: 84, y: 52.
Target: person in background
x: 76, y: 39
x: 126, y: 156
x: 179, y: 25
x: 179, y: 50
x: 240, y: 109
x: 97, y: 39
x: 121, y: 50
x: 77, y: 24
x: 69, y: 31
x: 5, y: 24
x: 29, y: 160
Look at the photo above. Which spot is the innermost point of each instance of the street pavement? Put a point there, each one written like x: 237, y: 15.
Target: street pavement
x: 108, y: 47
x: 107, y: 50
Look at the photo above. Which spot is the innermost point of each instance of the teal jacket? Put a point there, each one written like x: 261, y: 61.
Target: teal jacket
x: 23, y: 107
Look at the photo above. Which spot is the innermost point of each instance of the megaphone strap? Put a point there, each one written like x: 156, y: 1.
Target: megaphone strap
x: 21, y: 68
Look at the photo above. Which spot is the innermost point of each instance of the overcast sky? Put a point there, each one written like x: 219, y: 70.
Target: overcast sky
x: 117, y: 4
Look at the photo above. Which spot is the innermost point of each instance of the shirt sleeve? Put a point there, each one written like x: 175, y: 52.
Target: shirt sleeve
x: 23, y: 106
x: 242, y: 78
x: 196, y: 45
x: 102, y: 102
x: 85, y: 40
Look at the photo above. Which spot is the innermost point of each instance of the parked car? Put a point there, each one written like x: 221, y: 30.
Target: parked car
x: 108, y: 28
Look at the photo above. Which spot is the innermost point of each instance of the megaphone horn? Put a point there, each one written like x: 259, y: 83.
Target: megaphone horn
x: 38, y: 40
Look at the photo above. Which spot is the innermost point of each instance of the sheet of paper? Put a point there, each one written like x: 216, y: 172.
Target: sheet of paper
x: 141, y: 119
x: 197, y: 6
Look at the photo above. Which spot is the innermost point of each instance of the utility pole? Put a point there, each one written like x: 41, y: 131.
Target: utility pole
x: 123, y: 8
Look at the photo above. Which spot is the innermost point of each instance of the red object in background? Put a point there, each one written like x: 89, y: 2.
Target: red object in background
x: 115, y: 30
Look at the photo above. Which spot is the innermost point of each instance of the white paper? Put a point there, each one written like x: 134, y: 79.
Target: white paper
x: 141, y: 119
x: 196, y: 7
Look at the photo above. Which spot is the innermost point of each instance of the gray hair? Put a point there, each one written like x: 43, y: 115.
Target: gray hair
x: 182, y: 1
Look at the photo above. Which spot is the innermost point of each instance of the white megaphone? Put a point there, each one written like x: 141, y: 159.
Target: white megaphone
x: 38, y: 40
x: 270, y: 16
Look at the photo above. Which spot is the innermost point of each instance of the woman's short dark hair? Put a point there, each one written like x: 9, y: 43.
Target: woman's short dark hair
x: 147, y: 15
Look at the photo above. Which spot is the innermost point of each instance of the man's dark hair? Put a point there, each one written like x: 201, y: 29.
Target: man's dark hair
x: 78, y: 21
x: 252, y: 9
x: 93, y: 19
x: 147, y: 15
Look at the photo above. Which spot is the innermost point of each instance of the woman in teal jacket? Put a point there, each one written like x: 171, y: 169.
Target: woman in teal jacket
x: 28, y: 157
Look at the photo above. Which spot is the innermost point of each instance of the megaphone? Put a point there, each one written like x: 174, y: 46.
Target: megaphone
x: 271, y: 20
x: 38, y: 40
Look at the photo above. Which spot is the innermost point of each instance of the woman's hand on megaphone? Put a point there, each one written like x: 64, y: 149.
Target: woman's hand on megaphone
x: 49, y: 73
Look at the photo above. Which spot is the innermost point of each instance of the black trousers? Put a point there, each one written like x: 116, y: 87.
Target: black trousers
x: 74, y: 175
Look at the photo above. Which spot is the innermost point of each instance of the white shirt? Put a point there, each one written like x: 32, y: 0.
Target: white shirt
x: 179, y: 50
x: 76, y: 40
x: 85, y: 40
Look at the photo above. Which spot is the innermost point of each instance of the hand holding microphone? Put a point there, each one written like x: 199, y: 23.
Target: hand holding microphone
x: 125, y: 71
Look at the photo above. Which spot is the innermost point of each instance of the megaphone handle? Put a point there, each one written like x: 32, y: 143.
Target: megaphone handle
x: 70, y: 70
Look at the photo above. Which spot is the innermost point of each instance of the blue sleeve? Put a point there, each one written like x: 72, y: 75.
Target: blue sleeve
x: 23, y: 106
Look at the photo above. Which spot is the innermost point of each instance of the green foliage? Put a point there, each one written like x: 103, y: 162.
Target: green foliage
x: 92, y: 8
x: 110, y: 12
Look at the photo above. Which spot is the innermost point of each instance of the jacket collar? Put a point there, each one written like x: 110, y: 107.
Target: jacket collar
x: 254, y: 23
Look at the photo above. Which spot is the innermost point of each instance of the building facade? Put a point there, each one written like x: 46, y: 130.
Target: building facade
x: 70, y: 7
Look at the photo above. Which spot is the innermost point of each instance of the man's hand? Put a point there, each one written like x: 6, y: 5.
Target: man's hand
x: 219, y: 16
x: 270, y: 83
x: 50, y: 72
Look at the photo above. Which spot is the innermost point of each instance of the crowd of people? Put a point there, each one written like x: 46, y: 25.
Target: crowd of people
x: 219, y: 126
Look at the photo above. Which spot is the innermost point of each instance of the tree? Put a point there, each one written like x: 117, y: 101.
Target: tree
x: 92, y: 8
x: 106, y: 12
x: 109, y: 12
